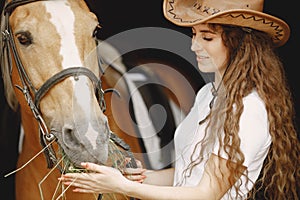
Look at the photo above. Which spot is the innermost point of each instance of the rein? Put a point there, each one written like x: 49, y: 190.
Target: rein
x: 33, y: 96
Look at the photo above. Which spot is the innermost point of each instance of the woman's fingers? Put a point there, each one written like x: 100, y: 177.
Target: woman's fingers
x: 138, y: 163
x: 100, y: 179
x: 77, y: 178
x: 81, y: 187
x: 80, y: 190
x: 101, y: 169
x: 138, y: 178
x: 93, y: 167
x: 135, y: 174
x: 133, y: 171
x: 82, y: 183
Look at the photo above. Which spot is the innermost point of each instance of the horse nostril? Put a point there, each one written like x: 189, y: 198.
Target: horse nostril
x: 69, y: 137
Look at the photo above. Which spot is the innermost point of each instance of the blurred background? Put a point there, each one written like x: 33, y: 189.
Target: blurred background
x: 119, y: 16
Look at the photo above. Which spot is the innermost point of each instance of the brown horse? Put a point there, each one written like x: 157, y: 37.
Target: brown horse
x: 53, y: 63
x: 50, y: 54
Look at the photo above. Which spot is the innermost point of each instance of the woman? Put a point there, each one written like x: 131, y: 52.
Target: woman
x: 241, y: 124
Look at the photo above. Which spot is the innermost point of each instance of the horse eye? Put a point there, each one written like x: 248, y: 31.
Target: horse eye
x: 24, y: 38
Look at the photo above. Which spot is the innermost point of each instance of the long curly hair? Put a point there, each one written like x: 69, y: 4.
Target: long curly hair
x: 253, y: 64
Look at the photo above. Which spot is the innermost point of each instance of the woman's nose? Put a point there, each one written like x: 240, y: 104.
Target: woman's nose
x: 196, y: 46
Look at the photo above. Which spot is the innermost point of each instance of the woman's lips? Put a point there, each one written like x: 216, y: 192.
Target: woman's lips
x: 200, y: 58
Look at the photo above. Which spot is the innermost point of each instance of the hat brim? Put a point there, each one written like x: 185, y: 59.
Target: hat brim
x: 275, y: 27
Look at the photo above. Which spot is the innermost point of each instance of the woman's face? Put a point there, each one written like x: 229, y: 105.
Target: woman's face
x: 211, y: 54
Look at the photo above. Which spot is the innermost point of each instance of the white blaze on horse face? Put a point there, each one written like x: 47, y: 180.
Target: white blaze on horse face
x: 71, y: 57
x: 65, y: 29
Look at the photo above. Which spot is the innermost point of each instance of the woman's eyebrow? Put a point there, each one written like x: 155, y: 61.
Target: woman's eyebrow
x: 204, y: 31
x: 207, y: 31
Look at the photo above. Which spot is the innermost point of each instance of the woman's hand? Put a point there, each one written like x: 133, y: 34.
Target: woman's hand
x: 134, y: 174
x: 100, y: 179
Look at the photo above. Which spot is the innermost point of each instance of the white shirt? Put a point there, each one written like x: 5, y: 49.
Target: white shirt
x: 254, y: 135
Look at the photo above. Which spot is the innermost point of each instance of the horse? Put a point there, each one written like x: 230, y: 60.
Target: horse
x: 60, y: 95
x: 67, y: 112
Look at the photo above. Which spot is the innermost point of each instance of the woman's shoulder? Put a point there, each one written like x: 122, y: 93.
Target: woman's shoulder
x: 254, y: 117
x: 253, y: 99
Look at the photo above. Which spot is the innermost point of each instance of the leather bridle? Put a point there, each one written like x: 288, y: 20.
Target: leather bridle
x: 33, y: 95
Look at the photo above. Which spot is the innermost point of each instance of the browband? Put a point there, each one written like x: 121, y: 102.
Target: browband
x: 10, y: 6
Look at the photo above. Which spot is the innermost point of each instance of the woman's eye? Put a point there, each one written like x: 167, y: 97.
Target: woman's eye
x: 207, y: 38
x: 192, y: 34
x: 24, y: 38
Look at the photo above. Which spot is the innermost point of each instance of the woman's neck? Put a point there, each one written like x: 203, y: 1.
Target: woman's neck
x: 218, y: 79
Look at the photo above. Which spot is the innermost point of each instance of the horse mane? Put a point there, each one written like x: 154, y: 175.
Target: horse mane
x: 6, y: 69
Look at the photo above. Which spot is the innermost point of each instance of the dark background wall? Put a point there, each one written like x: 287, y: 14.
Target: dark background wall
x: 118, y: 16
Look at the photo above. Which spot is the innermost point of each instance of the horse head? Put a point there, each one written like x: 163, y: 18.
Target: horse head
x: 53, y: 62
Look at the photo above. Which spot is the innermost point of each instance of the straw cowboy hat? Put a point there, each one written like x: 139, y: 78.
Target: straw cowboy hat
x: 245, y: 13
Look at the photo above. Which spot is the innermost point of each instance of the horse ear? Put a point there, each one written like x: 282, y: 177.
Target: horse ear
x: 6, y: 68
x: 85, y: 5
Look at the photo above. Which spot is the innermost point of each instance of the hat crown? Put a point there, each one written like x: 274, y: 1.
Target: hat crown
x: 224, y: 5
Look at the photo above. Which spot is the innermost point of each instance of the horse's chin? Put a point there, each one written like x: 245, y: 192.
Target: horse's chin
x: 74, y: 159
x: 75, y: 150
x: 73, y: 155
